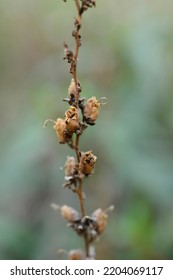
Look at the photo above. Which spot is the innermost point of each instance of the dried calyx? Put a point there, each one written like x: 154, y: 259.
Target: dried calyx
x: 90, y: 226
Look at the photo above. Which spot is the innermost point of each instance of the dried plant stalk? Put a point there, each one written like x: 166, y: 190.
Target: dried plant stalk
x: 78, y: 116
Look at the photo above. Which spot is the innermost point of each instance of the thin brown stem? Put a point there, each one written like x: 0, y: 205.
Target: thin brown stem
x: 77, y: 148
x: 80, y: 195
x: 87, y: 244
x: 77, y: 5
x: 81, y: 201
x: 79, y: 190
x: 77, y: 45
x: 81, y: 198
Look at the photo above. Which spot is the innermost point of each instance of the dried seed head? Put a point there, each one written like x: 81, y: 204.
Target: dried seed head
x: 91, y: 110
x: 76, y: 255
x: 68, y: 54
x: 72, y: 119
x: 100, y: 218
x: 73, y: 91
x: 61, y: 129
x: 69, y: 214
x: 77, y: 24
x: 87, y: 163
x: 70, y: 166
x: 87, y: 4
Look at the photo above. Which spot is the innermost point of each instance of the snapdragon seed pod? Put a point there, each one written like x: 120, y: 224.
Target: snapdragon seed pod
x: 91, y: 110
x: 70, y: 166
x: 64, y: 136
x: 72, y: 119
x: 74, y: 90
x: 87, y: 163
x: 69, y: 214
x: 100, y: 218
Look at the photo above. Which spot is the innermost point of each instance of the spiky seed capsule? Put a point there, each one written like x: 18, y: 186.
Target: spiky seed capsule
x: 91, y: 110
x: 87, y: 163
x: 70, y: 166
x: 72, y: 119
x: 61, y: 129
x: 69, y: 214
x: 76, y: 255
x: 100, y: 218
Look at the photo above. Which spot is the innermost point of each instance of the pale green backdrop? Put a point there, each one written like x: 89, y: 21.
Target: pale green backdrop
x: 127, y: 56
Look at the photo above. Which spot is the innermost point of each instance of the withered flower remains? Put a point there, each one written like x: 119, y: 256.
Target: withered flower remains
x: 69, y: 129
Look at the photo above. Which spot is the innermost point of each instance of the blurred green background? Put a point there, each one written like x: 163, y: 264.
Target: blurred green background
x: 127, y: 56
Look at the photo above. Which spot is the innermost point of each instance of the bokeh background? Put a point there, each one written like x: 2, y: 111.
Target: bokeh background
x: 126, y: 56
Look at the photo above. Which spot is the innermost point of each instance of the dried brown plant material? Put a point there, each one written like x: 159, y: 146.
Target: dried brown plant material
x: 73, y: 90
x: 87, y: 227
x: 87, y: 163
x: 91, y: 110
x: 77, y: 24
x: 100, y: 218
x: 68, y: 54
x: 87, y: 4
x: 72, y: 119
x: 69, y: 214
x: 76, y: 255
x: 64, y: 136
x: 70, y: 166
x: 61, y: 129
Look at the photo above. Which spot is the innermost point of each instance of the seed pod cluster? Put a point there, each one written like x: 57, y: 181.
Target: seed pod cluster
x: 91, y: 226
x: 87, y: 163
x: 66, y: 127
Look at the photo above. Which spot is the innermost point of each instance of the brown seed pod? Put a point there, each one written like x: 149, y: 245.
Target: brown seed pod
x: 64, y: 136
x: 87, y: 163
x: 76, y: 255
x: 69, y: 214
x: 61, y: 129
x: 100, y: 218
x: 72, y: 119
x: 73, y: 91
x: 70, y: 166
x: 91, y: 110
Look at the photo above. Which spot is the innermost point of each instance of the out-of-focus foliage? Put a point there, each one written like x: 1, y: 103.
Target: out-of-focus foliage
x: 126, y: 56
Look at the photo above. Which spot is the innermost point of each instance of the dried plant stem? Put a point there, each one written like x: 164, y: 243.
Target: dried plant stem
x: 77, y: 5
x: 80, y: 114
x: 87, y: 244
x: 77, y: 147
x: 77, y: 47
x: 80, y: 196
